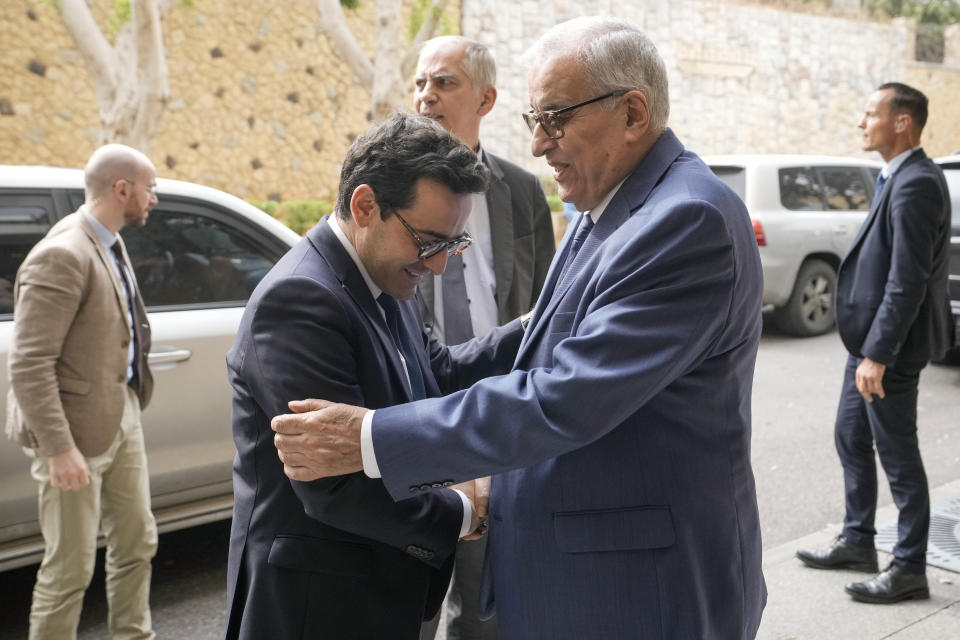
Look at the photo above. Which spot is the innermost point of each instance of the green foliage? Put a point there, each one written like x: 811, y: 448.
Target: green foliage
x: 119, y: 15
x: 186, y: 4
x: 942, y: 12
x: 350, y: 4
x: 418, y: 15
x: 556, y: 204
x: 299, y: 215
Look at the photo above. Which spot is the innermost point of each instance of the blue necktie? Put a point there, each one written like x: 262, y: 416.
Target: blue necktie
x: 457, y: 326
x: 586, y: 225
x: 881, y: 180
x: 391, y: 311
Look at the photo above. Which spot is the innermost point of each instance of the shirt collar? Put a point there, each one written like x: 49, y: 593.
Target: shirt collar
x: 896, y: 162
x: 598, y: 210
x: 107, y: 238
x: 375, y: 291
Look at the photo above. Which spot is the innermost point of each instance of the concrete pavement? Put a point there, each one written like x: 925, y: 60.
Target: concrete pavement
x: 810, y: 604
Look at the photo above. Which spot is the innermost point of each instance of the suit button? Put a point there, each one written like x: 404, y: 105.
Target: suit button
x: 414, y: 489
x: 437, y: 485
x: 425, y: 487
x: 125, y: 344
x: 448, y: 483
x: 121, y: 379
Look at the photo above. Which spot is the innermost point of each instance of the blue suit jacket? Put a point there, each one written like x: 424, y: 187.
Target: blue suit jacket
x: 334, y: 558
x: 625, y: 504
x: 892, y: 301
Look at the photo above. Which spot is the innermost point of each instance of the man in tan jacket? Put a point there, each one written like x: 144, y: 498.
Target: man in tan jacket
x: 79, y: 378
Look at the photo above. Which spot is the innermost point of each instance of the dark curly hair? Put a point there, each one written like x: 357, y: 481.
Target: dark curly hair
x: 394, y: 155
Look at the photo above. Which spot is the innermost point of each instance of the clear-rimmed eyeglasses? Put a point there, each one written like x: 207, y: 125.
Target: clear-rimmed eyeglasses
x: 151, y: 189
x: 552, y: 121
x: 430, y: 249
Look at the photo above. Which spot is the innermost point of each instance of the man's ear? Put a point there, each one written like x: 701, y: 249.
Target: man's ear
x: 363, y: 205
x: 121, y: 188
x: 488, y: 99
x: 638, y: 113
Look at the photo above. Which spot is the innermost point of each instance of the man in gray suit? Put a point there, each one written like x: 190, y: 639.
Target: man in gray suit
x: 501, y: 277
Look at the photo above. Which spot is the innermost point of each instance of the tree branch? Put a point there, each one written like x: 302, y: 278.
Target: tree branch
x: 426, y: 31
x: 335, y: 25
x: 96, y: 51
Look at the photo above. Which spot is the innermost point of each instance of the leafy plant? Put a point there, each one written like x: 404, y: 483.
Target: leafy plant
x: 299, y: 215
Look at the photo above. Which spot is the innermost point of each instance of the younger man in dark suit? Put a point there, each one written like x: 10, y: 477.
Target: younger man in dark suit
x: 335, y: 318
x: 893, y: 316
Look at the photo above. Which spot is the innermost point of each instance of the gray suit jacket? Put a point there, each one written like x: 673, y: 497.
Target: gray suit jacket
x: 523, y: 242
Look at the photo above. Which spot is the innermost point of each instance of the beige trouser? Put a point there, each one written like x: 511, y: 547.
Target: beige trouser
x: 119, y: 492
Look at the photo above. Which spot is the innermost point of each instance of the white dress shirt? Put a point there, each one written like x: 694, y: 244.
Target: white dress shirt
x: 375, y: 291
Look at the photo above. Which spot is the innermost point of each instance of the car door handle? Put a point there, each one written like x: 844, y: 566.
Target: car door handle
x: 169, y: 357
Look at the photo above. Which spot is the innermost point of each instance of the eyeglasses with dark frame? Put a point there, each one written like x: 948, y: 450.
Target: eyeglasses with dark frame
x: 427, y: 250
x: 549, y: 121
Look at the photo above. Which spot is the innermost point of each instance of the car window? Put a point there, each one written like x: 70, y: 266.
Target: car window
x: 188, y: 254
x: 735, y: 177
x: 24, y: 218
x: 800, y: 189
x: 845, y: 188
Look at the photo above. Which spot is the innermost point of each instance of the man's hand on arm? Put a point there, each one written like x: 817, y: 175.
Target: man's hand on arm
x: 69, y: 470
x: 869, y: 379
x: 320, y: 439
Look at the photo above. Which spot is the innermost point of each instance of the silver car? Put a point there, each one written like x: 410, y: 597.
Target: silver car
x: 806, y: 212
x: 197, y: 260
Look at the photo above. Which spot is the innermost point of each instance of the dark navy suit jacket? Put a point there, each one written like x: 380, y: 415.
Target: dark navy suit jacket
x: 338, y: 557
x: 625, y: 504
x: 892, y: 301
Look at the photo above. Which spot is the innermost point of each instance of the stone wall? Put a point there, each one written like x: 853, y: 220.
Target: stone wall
x: 743, y: 79
x: 260, y: 105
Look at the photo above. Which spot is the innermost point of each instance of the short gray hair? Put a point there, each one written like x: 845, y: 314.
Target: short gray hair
x: 478, y: 63
x: 616, y: 55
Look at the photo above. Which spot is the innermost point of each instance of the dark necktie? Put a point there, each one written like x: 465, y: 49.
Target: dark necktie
x: 586, y: 225
x: 457, y: 326
x: 401, y: 339
x: 139, y: 317
x: 881, y: 180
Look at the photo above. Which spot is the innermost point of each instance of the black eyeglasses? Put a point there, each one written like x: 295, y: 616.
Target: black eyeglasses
x: 552, y: 123
x: 430, y: 249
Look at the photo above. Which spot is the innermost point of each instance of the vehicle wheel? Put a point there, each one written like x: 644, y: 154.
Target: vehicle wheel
x: 809, y: 311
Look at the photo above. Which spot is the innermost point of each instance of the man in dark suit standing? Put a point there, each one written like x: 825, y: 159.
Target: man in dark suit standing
x: 78, y: 380
x: 623, y: 503
x: 893, y: 316
x: 499, y: 278
x: 335, y: 317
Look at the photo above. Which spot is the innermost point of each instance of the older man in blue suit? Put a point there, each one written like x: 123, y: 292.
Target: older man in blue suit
x: 623, y: 504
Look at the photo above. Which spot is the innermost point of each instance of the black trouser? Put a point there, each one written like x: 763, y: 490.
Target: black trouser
x: 891, y: 424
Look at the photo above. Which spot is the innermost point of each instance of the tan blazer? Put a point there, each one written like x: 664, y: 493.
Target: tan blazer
x: 68, y: 357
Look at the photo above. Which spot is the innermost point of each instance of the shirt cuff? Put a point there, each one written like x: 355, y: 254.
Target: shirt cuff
x: 467, y: 513
x: 370, y: 466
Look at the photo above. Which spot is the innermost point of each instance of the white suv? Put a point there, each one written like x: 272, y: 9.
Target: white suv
x: 806, y: 212
x: 197, y: 260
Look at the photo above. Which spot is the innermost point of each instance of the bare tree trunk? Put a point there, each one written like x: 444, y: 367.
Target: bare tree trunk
x: 391, y: 67
x: 130, y: 78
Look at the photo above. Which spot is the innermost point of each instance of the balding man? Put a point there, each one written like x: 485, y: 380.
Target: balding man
x: 500, y: 277
x: 78, y: 381
x: 623, y: 503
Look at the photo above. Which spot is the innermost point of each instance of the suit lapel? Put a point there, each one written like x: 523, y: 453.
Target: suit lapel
x: 326, y: 243
x: 500, y: 210
x: 630, y: 197
x: 882, y: 204
x: 106, y: 260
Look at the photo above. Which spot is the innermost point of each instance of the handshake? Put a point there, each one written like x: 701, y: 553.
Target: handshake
x: 478, y: 492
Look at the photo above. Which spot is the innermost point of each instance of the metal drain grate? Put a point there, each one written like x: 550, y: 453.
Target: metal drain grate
x: 943, y: 547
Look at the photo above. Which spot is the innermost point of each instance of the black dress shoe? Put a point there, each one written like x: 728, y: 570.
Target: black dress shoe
x: 892, y: 585
x: 841, y: 555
